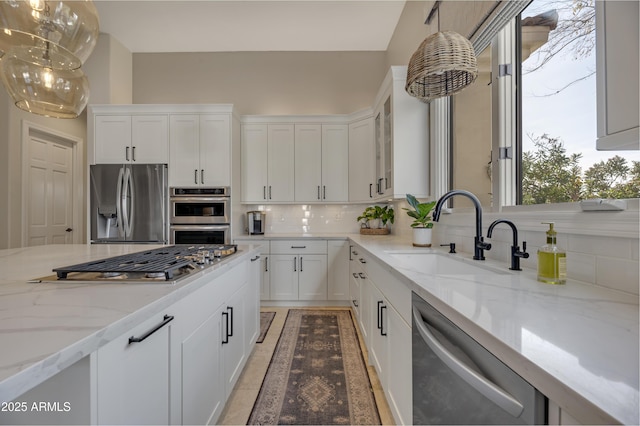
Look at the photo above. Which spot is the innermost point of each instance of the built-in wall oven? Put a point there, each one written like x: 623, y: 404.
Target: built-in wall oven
x: 200, y: 216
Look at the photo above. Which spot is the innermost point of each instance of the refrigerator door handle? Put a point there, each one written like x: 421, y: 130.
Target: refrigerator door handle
x: 119, y: 183
x: 127, y: 207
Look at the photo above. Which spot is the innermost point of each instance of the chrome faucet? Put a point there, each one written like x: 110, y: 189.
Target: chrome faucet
x: 516, y: 254
x: 479, y: 246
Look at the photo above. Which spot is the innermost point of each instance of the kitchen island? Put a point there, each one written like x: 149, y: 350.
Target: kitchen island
x: 47, y: 327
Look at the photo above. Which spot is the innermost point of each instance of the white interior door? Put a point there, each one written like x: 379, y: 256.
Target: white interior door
x: 49, y: 191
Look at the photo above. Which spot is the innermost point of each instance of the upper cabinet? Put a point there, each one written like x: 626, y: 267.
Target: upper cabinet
x: 361, y: 161
x: 267, y: 154
x: 401, y: 140
x: 321, y: 162
x: 128, y: 138
x: 617, y: 48
x: 200, y: 150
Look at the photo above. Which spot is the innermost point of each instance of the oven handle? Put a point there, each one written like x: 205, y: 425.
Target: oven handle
x: 199, y: 227
x: 480, y: 383
x: 181, y: 199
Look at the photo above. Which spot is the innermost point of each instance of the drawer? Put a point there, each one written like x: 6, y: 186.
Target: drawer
x: 299, y: 246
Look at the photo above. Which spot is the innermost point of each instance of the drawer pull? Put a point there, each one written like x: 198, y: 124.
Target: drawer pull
x: 298, y: 247
x: 362, y: 275
x: 166, y: 320
x: 362, y: 260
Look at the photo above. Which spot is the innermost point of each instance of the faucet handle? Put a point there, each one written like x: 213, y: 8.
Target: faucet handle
x: 452, y: 247
x: 524, y: 246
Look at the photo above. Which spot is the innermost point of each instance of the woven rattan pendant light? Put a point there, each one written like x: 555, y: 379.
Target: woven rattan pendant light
x: 444, y: 64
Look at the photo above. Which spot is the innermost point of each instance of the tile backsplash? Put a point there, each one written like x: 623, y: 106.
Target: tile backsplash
x: 607, y: 261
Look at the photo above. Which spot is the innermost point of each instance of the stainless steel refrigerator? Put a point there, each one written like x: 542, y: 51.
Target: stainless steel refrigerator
x: 129, y: 203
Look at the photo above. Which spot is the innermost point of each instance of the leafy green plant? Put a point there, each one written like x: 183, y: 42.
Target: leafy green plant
x: 385, y: 214
x: 421, y: 212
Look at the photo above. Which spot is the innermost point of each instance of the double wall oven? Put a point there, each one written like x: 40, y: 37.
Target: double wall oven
x: 200, y: 216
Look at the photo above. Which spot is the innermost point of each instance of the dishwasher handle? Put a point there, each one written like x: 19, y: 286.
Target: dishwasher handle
x: 475, y: 380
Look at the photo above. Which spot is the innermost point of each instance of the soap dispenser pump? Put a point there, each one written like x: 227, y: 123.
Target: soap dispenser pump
x: 552, y: 260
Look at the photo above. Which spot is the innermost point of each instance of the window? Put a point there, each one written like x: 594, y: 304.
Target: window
x: 559, y: 162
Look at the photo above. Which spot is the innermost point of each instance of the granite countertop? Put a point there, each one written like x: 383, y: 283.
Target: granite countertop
x: 577, y: 343
x: 46, y: 327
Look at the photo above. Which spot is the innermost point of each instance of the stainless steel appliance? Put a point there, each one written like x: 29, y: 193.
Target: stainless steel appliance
x: 200, y: 216
x: 200, y: 206
x: 256, y: 221
x: 164, y: 264
x: 457, y: 381
x: 129, y: 203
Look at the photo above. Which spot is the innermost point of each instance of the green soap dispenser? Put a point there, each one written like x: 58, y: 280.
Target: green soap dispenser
x: 552, y: 260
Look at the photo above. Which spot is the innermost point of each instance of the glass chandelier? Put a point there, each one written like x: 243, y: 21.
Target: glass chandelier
x: 43, y: 44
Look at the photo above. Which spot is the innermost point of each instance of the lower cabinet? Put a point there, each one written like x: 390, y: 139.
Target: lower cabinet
x: 338, y: 270
x: 386, y: 334
x: 179, y: 367
x: 134, y: 373
x: 298, y: 270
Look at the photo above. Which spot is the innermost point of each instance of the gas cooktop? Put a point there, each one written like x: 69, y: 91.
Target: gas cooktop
x: 165, y: 264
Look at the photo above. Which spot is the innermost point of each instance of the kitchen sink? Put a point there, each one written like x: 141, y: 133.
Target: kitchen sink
x: 442, y: 264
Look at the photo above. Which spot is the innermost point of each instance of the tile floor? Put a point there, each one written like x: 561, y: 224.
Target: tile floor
x: 244, y: 394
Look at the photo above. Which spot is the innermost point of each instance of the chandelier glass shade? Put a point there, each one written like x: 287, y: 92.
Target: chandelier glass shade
x: 45, y: 91
x: 43, y: 44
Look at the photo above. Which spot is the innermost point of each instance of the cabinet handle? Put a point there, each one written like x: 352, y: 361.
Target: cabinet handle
x: 266, y: 264
x: 166, y: 320
x: 264, y: 192
x: 350, y: 252
x: 382, y: 332
x: 380, y: 302
x: 255, y: 258
x: 362, y: 260
x: 318, y: 192
x: 133, y: 153
x: 355, y: 303
x: 370, y: 190
x: 202, y: 176
x: 380, y: 191
x: 363, y: 276
x: 226, y: 331
x: 295, y: 264
x: 300, y: 263
x: 126, y: 153
x: 230, y: 310
x: 355, y: 275
x: 324, y: 192
x: 269, y: 191
x: 298, y: 247
x: 195, y: 176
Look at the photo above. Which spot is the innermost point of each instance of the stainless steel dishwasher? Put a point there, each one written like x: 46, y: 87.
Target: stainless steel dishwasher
x: 457, y: 381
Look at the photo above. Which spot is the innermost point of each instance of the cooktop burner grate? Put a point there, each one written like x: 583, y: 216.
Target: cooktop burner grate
x: 164, y: 260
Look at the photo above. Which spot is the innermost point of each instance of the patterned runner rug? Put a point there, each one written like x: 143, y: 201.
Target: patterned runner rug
x: 265, y: 322
x: 317, y: 374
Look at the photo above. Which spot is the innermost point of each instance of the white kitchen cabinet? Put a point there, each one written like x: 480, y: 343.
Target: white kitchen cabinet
x: 361, y: 161
x: 233, y: 336
x: 298, y: 270
x: 321, y: 162
x: 267, y: 163
x: 252, y: 312
x: 200, y: 147
x: 134, y: 376
x: 338, y: 270
x: 399, y: 374
x: 120, y: 139
x: 617, y: 47
x: 401, y: 140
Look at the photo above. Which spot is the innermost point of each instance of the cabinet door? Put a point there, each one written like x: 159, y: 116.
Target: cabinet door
x: 284, y: 277
x: 361, y: 161
x: 150, y: 139
x: 280, y: 171
x: 251, y: 318
x: 203, y: 391
x: 379, y: 331
x: 308, y: 162
x: 365, y: 309
x: 399, y: 363
x: 338, y: 270
x: 133, y: 378
x: 184, y: 165
x: 379, y: 151
x: 215, y: 149
x: 254, y: 162
x: 335, y: 162
x: 265, y: 286
x: 312, y: 277
x: 233, y: 339
x: 387, y: 147
x: 112, y: 139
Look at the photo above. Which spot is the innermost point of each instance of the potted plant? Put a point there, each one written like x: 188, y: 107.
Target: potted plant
x: 374, y: 220
x: 422, y: 222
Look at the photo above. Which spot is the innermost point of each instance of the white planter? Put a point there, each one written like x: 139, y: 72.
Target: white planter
x: 422, y: 237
